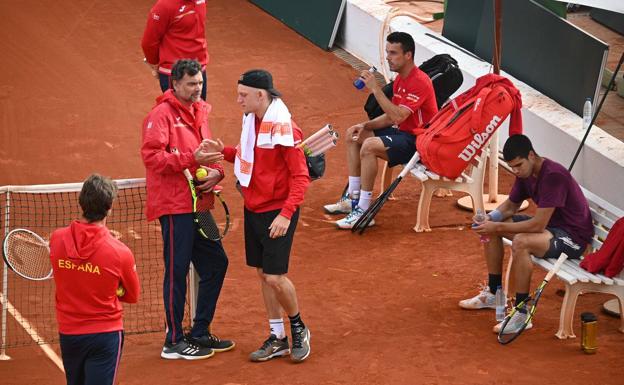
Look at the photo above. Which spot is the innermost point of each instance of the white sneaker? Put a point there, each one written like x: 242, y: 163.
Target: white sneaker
x: 515, y: 323
x: 343, y: 206
x: 349, y: 221
x: 483, y: 300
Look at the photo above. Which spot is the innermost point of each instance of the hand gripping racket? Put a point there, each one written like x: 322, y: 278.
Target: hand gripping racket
x: 211, y: 224
x: 506, y: 335
x: 27, y: 254
x: 370, y: 213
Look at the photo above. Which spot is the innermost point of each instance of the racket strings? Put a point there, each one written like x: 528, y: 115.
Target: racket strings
x: 207, y: 225
x: 511, y: 328
x: 221, y: 215
x: 28, y: 255
x: 213, y: 221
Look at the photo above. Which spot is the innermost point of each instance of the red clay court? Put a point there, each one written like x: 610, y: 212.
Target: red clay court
x: 382, y: 307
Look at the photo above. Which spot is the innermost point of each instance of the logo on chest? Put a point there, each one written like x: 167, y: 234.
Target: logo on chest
x: 179, y: 122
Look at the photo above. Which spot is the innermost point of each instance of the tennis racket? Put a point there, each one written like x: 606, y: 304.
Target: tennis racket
x: 504, y: 335
x: 211, y: 224
x: 370, y: 213
x: 27, y: 254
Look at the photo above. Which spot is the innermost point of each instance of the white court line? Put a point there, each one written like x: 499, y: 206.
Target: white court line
x: 33, y: 333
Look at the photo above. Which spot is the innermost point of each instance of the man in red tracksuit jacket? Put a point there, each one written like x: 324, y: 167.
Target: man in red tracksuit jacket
x: 279, y: 179
x: 93, y: 272
x: 175, y: 30
x: 172, y: 142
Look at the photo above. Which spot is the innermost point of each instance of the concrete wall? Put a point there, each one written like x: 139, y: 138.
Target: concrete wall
x: 555, y: 131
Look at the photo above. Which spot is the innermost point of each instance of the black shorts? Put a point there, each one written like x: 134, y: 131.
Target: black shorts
x: 270, y: 254
x: 401, y: 145
x: 561, y: 242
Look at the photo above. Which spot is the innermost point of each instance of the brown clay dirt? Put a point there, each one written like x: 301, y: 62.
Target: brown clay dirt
x: 382, y: 307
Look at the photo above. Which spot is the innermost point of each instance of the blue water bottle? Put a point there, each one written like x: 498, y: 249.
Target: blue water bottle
x: 359, y: 82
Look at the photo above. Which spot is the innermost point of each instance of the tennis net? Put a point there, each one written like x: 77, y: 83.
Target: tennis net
x: 28, y: 314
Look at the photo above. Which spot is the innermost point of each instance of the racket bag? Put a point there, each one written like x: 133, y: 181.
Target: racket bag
x: 459, y: 131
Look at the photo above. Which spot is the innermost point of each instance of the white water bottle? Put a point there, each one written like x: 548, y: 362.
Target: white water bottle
x: 587, y: 113
x: 480, y: 218
x: 501, y: 303
x: 355, y: 199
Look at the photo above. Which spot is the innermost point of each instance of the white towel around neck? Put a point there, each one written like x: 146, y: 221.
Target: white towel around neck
x: 275, y: 129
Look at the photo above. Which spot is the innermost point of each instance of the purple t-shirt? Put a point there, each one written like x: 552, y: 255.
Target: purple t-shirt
x: 555, y: 187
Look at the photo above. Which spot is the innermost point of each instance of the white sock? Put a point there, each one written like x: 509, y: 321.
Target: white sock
x: 277, y: 327
x: 354, y: 184
x: 365, y: 199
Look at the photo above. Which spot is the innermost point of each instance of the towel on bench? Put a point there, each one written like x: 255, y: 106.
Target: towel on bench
x: 610, y: 257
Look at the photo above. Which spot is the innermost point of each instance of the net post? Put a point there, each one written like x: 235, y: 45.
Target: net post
x: 5, y: 285
x: 193, y: 290
x: 43, y: 208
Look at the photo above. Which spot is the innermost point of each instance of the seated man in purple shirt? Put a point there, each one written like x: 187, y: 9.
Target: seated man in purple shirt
x: 562, y: 224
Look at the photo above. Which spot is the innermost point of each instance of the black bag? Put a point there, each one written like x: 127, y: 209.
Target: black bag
x: 372, y: 107
x: 445, y: 76
x: 316, y: 166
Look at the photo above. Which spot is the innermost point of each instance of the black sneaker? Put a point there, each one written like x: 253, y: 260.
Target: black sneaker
x: 185, y: 350
x: 212, y: 342
x: 301, y: 343
x: 271, y: 348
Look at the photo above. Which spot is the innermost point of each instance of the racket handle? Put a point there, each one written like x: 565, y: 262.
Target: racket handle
x: 410, y: 165
x: 326, y: 129
x: 556, y: 267
x: 187, y: 174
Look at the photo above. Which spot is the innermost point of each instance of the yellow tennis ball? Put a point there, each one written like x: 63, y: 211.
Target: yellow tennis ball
x: 121, y: 291
x: 201, y: 173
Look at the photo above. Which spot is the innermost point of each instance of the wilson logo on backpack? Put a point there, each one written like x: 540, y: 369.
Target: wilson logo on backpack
x: 479, y: 139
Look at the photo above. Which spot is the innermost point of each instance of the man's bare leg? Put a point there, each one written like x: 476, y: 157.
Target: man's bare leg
x: 280, y: 294
x: 372, y: 149
x: 353, y: 151
x: 523, y: 246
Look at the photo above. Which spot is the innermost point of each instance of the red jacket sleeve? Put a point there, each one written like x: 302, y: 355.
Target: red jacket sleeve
x: 157, y: 24
x: 129, y: 279
x: 229, y: 154
x: 300, y: 179
x: 154, y: 149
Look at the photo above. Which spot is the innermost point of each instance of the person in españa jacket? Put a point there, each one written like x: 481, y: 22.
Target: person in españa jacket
x: 173, y: 133
x: 93, y: 273
x: 175, y: 30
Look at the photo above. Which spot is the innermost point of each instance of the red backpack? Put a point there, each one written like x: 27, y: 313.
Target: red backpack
x: 459, y: 131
